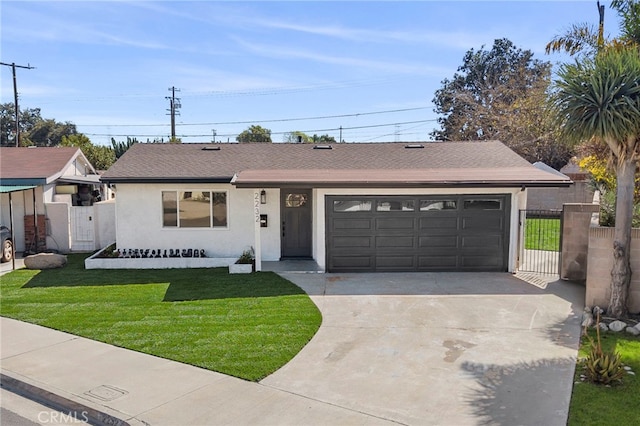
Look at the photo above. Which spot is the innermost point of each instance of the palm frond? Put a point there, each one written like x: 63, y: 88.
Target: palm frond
x: 578, y: 38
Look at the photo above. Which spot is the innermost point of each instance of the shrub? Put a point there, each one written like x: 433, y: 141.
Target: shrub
x: 602, y: 367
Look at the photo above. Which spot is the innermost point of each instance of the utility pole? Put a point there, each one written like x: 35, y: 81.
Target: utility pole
x: 15, y: 94
x: 174, y: 106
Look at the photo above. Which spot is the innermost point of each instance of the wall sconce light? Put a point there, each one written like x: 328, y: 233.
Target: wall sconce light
x: 263, y: 197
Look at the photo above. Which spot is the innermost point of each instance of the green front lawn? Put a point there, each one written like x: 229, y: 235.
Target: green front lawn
x: 542, y: 234
x: 600, y: 405
x: 242, y: 325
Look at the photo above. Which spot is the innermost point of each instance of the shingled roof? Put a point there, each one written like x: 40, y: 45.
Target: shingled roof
x: 353, y: 164
x: 37, y: 165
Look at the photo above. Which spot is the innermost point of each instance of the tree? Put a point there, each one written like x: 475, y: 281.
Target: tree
x: 119, y: 147
x: 324, y: 139
x: 28, y: 119
x: 100, y: 157
x: 584, y: 40
x: 48, y: 132
x: 501, y: 94
x: 604, y: 61
x: 255, y: 133
x: 296, y: 137
x: 599, y: 99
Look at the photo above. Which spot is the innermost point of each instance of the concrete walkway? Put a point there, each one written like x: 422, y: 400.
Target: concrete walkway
x: 420, y: 349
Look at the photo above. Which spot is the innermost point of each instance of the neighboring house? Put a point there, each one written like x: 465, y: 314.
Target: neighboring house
x: 554, y: 198
x: 57, y: 185
x: 429, y: 206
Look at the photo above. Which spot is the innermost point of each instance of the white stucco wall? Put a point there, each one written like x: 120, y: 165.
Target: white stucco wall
x: 59, y: 229
x: 104, y: 214
x: 139, y: 221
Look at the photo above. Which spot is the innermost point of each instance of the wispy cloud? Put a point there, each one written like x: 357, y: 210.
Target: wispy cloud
x: 274, y: 51
x: 51, y: 26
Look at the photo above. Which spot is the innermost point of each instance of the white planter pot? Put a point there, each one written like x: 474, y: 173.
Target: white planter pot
x: 240, y: 268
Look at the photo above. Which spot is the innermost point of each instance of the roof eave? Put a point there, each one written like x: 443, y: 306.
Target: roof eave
x: 381, y: 184
x: 214, y: 179
x: 23, y: 181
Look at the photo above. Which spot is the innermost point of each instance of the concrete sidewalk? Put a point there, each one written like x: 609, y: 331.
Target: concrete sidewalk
x: 419, y: 349
x: 142, y: 389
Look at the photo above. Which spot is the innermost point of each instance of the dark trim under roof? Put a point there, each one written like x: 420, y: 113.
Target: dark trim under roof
x: 224, y: 179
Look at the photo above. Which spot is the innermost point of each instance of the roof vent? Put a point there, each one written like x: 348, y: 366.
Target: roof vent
x: 211, y: 148
x: 414, y: 146
x: 322, y: 147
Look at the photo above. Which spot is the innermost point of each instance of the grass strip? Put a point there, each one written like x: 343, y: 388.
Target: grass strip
x: 593, y: 405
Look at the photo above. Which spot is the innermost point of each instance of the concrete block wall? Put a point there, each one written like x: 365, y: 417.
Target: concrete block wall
x: 600, y: 261
x: 576, y: 220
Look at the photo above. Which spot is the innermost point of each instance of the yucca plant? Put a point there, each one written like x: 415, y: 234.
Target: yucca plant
x: 602, y: 367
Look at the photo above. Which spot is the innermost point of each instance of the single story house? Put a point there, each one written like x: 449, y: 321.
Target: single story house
x: 431, y: 206
x: 58, y: 185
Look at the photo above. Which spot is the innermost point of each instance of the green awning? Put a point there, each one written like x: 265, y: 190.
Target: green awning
x: 14, y: 188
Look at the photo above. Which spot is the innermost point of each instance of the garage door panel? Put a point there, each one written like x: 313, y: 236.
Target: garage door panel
x: 395, y: 223
x: 389, y: 263
x: 483, y: 223
x: 438, y: 223
x: 395, y: 242
x: 352, y: 223
x: 441, y: 233
x: 352, y: 242
x: 437, y: 262
x: 352, y: 262
x: 485, y: 242
x: 443, y: 241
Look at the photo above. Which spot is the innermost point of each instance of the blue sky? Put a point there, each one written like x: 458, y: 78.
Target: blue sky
x: 371, y: 67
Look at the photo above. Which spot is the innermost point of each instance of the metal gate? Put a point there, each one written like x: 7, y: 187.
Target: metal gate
x: 540, y: 241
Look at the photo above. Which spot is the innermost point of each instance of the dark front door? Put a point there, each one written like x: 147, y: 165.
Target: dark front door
x: 295, y: 208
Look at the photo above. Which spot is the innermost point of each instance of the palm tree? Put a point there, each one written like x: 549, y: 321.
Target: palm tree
x: 599, y: 99
x: 580, y: 38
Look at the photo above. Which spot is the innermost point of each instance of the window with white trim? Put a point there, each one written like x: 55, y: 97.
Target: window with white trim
x: 194, y: 209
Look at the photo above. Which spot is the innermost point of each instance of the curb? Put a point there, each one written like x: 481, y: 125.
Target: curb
x: 59, y: 403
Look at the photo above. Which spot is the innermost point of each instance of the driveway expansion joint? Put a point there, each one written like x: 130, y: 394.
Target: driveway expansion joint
x: 332, y: 404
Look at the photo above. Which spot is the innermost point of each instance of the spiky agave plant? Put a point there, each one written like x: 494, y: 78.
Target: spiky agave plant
x: 602, y: 367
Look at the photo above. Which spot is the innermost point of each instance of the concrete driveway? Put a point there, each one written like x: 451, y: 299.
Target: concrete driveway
x: 440, y: 348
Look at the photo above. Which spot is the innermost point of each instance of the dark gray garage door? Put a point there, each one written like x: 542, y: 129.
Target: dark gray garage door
x: 417, y: 233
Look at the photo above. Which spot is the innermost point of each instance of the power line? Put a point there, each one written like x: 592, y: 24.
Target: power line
x: 274, y: 133
x: 278, y: 120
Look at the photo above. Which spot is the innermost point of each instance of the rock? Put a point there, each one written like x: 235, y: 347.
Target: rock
x: 587, y: 317
x: 45, y: 261
x: 617, y: 326
x: 603, y: 326
x: 633, y: 330
x: 637, y: 326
